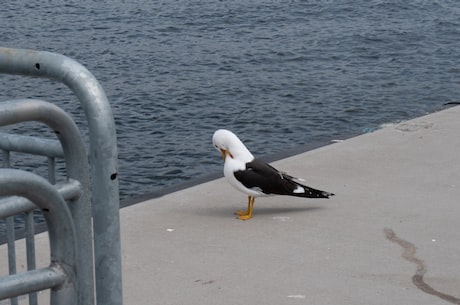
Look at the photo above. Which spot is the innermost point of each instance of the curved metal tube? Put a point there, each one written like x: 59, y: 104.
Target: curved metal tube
x: 103, y: 156
x: 59, y: 220
x: 77, y: 168
x: 14, y: 205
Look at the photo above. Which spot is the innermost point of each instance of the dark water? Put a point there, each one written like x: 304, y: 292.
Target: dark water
x: 278, y: 73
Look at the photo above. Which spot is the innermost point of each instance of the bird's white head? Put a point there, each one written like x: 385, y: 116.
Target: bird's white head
x: 231, y: 146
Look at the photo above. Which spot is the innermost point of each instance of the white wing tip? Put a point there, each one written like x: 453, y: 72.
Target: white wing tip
x: 299, y: 190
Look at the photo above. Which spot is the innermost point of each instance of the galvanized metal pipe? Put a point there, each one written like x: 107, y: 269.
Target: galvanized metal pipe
x: 15, y: 205
x: 30, y: 251
x: 31, y: 145
x: 77, y: 167
x: 51, y: 170
x: 103, y: 156
x: 11, y: 245
x: 34, y: 280
x: 30, y: 241
x: 63, y: 243
x: 11, y: 251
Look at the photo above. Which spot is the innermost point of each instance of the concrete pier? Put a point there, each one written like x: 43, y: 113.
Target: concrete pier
x: 391, y: 235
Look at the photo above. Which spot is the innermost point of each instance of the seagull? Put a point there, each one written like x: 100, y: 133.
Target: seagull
x: 255, y: 177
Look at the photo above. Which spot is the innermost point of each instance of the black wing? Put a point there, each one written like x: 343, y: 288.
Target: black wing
x: 260, y: 175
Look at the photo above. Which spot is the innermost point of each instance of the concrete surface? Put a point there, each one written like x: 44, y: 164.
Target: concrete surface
x: 395, y: 215
x: 187, y: 247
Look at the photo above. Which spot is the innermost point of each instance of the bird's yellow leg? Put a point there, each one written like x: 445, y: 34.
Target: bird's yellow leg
x: 244, y: 213
x: 250, y: 207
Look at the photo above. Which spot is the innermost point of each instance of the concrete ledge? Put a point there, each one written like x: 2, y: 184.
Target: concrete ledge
x: 187, y: 247
x: 395, y: 215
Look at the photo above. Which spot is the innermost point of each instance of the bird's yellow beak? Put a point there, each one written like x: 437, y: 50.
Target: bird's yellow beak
x: 224, y: 153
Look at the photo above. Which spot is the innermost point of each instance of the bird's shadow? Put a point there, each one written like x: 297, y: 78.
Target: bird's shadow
x: 225, y: 212
x: 280, y: 210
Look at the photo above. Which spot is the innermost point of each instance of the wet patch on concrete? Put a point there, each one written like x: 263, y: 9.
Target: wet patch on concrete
x: 414, y: 126
x: 408, y: 254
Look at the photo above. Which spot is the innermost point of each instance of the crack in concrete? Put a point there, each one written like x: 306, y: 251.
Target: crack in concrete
x: 409, y: 255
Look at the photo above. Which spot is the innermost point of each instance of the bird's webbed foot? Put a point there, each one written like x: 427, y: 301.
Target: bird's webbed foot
x: 245, y: 215
x: 241, y: 213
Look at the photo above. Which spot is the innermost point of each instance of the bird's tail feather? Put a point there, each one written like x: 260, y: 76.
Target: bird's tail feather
x: 311, y: 192
x: 297, y: 188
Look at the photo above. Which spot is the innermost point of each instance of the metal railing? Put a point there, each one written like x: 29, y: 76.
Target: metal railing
x: 104, y: 206
x: 12, y: 112
x: 60, y: 276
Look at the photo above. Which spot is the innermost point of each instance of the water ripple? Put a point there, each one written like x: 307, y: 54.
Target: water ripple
x: 279, y: 73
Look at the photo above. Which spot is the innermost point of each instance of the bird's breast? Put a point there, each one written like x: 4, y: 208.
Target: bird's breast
x: 232, y: 165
